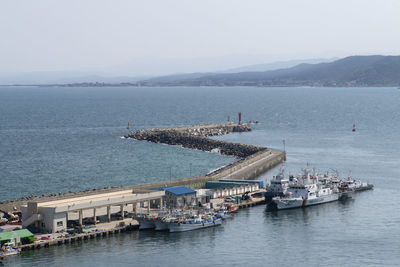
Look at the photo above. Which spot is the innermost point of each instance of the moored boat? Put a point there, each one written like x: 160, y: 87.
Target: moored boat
x: 161, y: 224
x: 278, y: 186
x: 304, y: 191
x: 311, y: 189
x: 8, y: 250
x: 194, y: 224
x: 145, y: 222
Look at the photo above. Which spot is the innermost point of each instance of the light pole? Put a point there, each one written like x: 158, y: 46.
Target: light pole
x: 170, y: 173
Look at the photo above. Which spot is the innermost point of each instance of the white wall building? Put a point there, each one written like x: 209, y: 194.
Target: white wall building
x: 52, y: 216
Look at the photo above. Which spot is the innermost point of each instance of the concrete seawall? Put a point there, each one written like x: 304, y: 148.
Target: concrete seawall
x: 254, y: 160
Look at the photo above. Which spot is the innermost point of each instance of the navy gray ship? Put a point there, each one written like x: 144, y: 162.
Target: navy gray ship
x: 309, y: 189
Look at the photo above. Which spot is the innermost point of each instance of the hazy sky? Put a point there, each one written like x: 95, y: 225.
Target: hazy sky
x: 73, y: 35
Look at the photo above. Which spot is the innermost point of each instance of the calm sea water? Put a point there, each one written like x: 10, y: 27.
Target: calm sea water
x: 59, y: 139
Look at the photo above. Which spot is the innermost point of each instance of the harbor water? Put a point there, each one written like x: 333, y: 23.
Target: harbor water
x: 67, y: 139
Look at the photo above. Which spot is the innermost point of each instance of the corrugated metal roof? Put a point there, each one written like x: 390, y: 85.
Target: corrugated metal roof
x: 23, y: 233
x: 180, y: 190
x: 177, y: 190
x: 7, y: 236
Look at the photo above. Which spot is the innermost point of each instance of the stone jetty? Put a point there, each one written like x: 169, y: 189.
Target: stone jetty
x: 196, y: 137
x: 253, y: 160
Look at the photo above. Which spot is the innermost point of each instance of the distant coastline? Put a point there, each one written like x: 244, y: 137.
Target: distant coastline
x: 353, y: 71
x: 98, y: 85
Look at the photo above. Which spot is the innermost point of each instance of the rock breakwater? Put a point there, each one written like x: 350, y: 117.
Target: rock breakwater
x: 196, y: 137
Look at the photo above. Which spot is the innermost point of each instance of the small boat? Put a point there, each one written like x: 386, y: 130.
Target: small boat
x: 356, y: 185
x: 7, y: 250
x: 194, y: 224
x: 232, y: 208
x: 223, y: 213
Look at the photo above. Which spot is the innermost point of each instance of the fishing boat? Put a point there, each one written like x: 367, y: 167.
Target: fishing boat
x: 161, y: 224
x: 195, y: 223
x: 231, y: 208
x: 356, y: 185
x: 223, y: 213
x: 145, y: 222
x: 7, y: 250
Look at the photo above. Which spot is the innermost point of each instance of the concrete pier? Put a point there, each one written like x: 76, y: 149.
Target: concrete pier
x: 253, y: 160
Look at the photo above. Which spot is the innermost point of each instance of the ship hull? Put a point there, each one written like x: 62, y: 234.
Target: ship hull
x: 161, y: 225
x: 269, y: 195
x: 145, y: 223
x: 182, y: 227
x: 282, y: 204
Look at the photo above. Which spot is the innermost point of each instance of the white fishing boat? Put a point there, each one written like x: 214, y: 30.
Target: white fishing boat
x: 356, y: 185
x: 8, y: 250
x: 194, y: 224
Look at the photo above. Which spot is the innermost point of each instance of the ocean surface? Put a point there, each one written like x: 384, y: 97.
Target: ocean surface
x: 66, y: 139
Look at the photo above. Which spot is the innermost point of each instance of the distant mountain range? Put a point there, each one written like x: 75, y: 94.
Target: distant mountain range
x: 353, y: 71
x: 278, y: 65
x: 350, y: 71
x: 157, y: 70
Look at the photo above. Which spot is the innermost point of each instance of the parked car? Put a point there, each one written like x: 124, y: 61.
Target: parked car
x: 229, y: 199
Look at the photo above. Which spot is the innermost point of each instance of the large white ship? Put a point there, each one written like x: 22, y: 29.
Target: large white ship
x: 304, y: 191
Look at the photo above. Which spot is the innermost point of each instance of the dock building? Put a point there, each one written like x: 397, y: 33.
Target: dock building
x: 53, y: 216
x: 179, y: 196
x: 223, y: 188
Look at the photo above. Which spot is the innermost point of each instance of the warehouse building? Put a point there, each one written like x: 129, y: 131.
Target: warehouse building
x: 53, y: 216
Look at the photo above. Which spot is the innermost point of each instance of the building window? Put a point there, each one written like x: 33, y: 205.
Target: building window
x: 60, y: 223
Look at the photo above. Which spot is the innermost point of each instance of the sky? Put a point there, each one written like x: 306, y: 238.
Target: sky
x: 139, y: 37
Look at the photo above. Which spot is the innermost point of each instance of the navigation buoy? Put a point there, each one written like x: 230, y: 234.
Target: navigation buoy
x: 354, y: 127
x: 128, y: 127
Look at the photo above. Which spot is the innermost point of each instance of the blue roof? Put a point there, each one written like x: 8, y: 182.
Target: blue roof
x: 177, y: 190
